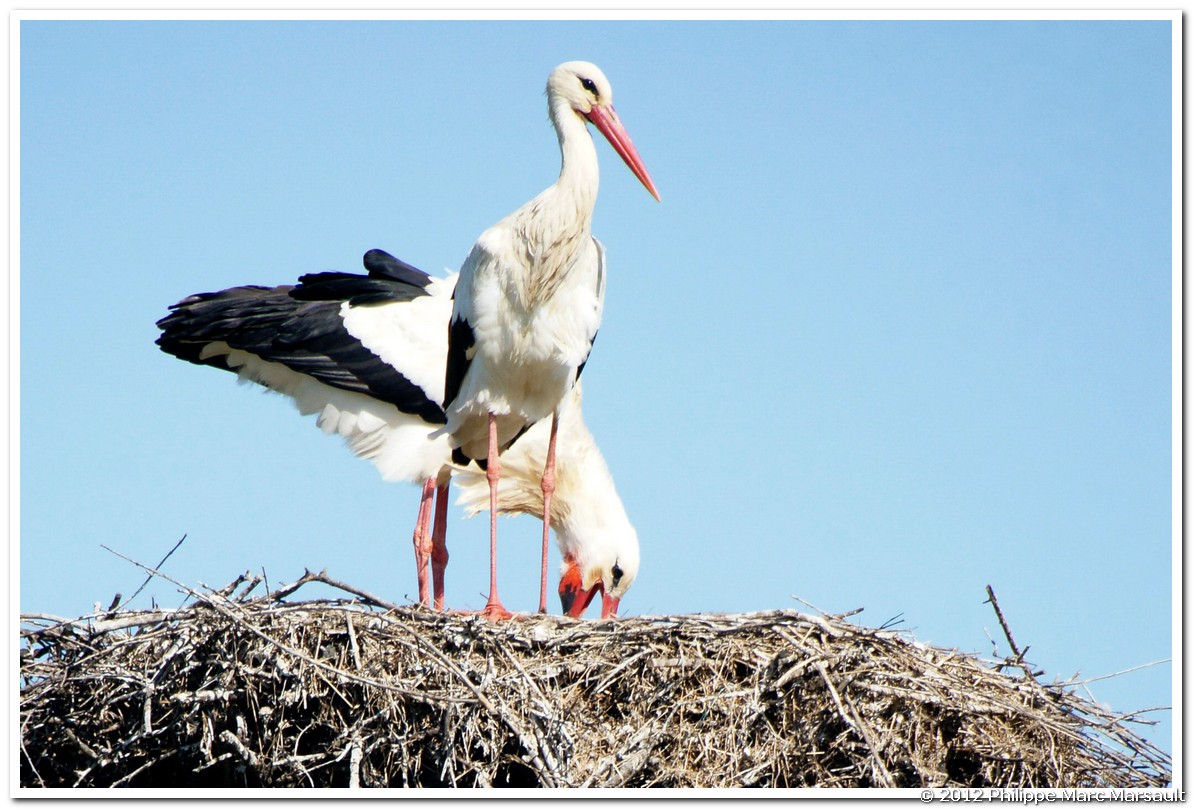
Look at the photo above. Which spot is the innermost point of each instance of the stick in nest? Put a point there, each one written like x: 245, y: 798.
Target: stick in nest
x: 1017, y: 660
x: 149, y: 578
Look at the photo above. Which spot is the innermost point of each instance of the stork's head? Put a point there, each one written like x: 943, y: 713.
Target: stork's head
x: 608, y: 567
x: 583, y: 88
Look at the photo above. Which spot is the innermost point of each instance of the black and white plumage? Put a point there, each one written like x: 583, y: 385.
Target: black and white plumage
x: 355, y: 349
x: 366, y: 354
x: 530, y: 296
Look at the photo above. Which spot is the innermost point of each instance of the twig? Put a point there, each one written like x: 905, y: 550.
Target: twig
x: 150, y: 763
x: 87, y: 751
x: 608, y: 678
x: 838, y: 616
x: 993, y: 643
x: 96, y: 624
x: 244, y: 594
x: 204, y: 696
x: 352, y: 642
x: 354, y: 759
x: 149, y: 578
x: 147, y: 708
x: 247, y: 755
x: 322, y: 578
x: 32, y: 766
x: 1018, y: 659
x: 633, y: 758
x: 289, y: 589
x: 1120, y: 673
x: 227, y: 589
x: 29, y: 617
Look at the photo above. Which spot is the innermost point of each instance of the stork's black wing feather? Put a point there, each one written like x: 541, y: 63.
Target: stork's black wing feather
x: 580, y: 370
x: 460, y: 340
x: 389, y: 279
x: 301, y: 327
x: 381, y: 264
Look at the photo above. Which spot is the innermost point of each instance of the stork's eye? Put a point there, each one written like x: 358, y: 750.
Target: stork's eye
x: 617, y: 572
x: 590, y: 86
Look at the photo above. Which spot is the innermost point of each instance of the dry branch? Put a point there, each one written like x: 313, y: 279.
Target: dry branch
x: 233, y: 691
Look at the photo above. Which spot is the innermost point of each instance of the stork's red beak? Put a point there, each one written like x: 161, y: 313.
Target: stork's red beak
x: 575, y: 598
x: 605, y: 119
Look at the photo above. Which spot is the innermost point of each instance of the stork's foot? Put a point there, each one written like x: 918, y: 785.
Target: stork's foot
x: 495, y: 612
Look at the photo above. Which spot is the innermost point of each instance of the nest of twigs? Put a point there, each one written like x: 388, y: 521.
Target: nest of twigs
x: 234, y: 690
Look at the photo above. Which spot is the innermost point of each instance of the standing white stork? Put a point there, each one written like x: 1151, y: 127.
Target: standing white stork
x: 529, y: 300
x: 366, y: 353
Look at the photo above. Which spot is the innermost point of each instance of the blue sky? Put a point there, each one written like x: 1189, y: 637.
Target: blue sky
x: 901, y: 326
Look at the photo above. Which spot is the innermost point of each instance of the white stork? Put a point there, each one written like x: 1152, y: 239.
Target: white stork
x: 529, y: 300
x: 366, y: 353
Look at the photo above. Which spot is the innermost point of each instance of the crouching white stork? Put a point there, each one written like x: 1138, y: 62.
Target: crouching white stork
x: 366, y: 353
x: 529, y: 301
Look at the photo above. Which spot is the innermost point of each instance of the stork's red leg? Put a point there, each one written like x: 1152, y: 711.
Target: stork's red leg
x: 493, y: 609
x: 548, y: 483
x: 422, y: 541
x: 439, y: 543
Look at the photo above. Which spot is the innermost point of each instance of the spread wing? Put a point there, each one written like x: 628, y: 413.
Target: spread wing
x: 304, y: 328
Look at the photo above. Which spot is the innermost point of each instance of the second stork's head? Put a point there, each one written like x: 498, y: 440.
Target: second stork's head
x: 600, y: 555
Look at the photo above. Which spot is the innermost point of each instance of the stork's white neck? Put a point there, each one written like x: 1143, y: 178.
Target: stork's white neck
x: 579, y: 175
x: 556, y: 226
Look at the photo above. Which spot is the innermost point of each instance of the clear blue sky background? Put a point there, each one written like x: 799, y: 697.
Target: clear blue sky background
x: 900, y: 327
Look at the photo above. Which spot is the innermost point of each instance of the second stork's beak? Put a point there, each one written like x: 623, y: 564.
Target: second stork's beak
x: 572, y: 595
x: 575, y: 598
x: 605, y: 119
